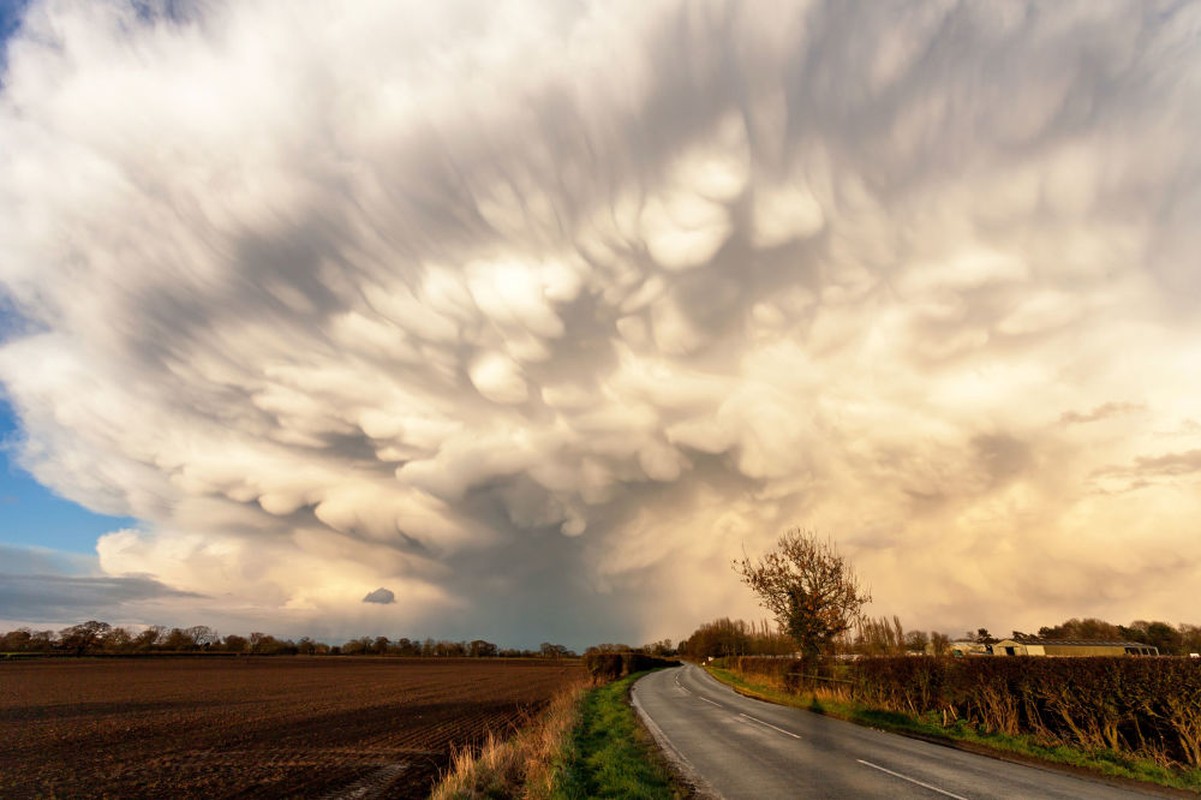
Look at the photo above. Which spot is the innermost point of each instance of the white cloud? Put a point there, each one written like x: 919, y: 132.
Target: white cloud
x: 536, y: 314
x: 498, y: 378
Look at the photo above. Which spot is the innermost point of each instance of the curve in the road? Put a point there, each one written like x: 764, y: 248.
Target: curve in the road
x: 735, y: 747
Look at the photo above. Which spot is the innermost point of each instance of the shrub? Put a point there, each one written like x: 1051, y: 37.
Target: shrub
x: 1149, y: 707
x: 606, y: 667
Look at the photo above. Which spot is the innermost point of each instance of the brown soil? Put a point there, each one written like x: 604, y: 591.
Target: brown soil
x: 254, y: 727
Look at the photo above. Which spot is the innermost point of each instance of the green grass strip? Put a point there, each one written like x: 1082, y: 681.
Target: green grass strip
x: 610, y: 755
x: 1106, y: 762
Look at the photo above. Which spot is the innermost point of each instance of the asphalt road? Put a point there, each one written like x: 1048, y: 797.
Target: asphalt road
x: 736, y: 747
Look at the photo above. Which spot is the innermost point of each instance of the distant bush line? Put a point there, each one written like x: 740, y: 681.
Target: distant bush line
x: 610, y: 666
x: 100, y: 638
x: 1145, y: 707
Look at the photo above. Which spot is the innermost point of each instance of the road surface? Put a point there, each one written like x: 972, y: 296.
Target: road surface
x: 735, y: 747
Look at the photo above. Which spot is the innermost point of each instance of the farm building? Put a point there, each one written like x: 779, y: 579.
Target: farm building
x: 966, y: 648
x: 1033, y: 646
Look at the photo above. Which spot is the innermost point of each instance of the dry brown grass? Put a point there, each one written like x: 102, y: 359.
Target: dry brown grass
x: 522, y: 765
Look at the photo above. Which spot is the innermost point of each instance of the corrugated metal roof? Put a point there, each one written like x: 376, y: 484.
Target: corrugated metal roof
x: 1080, y: 642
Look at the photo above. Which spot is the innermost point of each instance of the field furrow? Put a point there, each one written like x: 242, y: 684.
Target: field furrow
x: 254, y: 727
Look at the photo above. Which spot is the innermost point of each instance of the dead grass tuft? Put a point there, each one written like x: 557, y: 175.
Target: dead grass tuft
x: 523, y: 765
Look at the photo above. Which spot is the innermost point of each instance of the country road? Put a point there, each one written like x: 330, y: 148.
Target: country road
x: 736, y: 747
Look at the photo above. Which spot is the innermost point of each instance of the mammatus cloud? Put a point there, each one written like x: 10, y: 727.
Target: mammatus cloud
x: 1104, y: 411
x: 540, y: 315
x: 381, y: 595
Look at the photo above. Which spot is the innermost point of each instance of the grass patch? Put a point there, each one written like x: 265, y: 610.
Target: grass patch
x: 587, y: 744
x: 1105, y: 762
x: 762, y: 691
x: 610, y: 754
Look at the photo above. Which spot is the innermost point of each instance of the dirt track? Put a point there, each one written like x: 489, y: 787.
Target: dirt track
x: 254, y: 727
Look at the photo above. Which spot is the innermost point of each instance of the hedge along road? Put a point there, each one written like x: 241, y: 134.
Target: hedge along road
x: 736, y: 747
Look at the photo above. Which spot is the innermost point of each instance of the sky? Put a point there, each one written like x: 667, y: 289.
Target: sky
x: 523, y: 320
x: 35, y: 516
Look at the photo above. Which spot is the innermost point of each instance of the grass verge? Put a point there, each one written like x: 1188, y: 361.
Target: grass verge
x: 587, y: 744
x: 611, y: 755
x: 1022, y: 748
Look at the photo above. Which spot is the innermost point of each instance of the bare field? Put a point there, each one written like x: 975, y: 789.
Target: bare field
x: 249, y: 727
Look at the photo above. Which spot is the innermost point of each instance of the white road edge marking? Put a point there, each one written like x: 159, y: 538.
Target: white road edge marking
x: 704, y: 790
x: 911, y: 780
x: 710, y: 702
x: 768, y: 724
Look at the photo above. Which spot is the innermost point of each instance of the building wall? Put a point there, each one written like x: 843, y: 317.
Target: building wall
x: 1082, y: 650
x: 1011, y: 647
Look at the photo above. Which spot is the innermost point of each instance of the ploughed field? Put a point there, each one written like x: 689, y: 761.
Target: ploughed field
x: 254, y: 727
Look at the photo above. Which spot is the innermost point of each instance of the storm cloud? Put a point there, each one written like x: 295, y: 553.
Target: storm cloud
x: 38, y: 585
x: 380, y: 595
x: 539, y: 314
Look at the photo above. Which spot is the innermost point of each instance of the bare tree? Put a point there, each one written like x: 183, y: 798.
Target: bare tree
x: 150, y: 638
x: 202, y: 636
x: 264, y: 644
x: 177, y: 639
x: 235, y: 643
x: 982, y: 636
x: 357, y: 647
x: 662, y: 648
x: 552, y: 650
x: 84, y: 637
x: 118, y: 640
x: 810, y: 588
x: 880, y: 637
x: 917, y: 641
x: 17, y: 641
x: 480, y: 648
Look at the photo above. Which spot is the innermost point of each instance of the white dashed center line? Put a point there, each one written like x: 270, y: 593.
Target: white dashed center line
x: 911, y: 780
x: 768, y: 724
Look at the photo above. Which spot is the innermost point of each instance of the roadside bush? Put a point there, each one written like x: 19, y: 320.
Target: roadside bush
x: 606, y: 667
x: 1149, y: 707
x: 782, y: 673
x: 824, y: 677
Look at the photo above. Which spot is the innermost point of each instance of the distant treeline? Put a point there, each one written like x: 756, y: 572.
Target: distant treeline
x: 728, y: 637
x: 886, y: 636
x: 100, y: 638
x: 1171, y: 640
x: 735, y: 637
x: 1178, y: 640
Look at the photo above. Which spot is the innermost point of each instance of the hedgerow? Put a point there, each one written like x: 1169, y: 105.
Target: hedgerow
x: 606, y: 667
x: 1147, y: 707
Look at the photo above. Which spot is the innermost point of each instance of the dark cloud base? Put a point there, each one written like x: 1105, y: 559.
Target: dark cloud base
x: 65, y: 599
